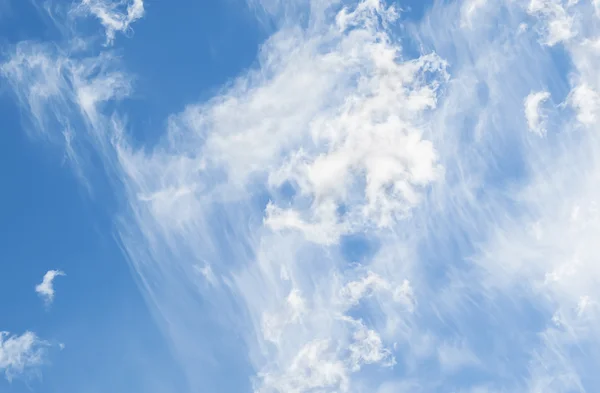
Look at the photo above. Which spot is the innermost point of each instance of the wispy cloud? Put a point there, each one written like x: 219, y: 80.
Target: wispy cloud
x: 348, y: 156
x: 396, y: 216
x: 20, y: 354
x: 46, y: 288
x: 64, y: 93
x: 115, y: 15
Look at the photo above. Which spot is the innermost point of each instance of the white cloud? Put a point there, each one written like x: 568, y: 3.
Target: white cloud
x: 469, y: 11
x: 353, y: 149
x: 367, y: 347
x: 557, y: 23
x: 535, y: 119
x: 372, y: 283
x: 115, y: 15
x: 586, y: 101
x: 433, y: 171
x: 315, y: 366
x: 20, y: 354
x: 557, y: 262
x: 46, y: 288
x: 356, y: 150
x: 63, y: 94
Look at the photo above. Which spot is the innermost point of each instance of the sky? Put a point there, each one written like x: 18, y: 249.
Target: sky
x: 299, y: 196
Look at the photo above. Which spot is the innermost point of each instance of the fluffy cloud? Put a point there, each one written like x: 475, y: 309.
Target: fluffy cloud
x: 19, y: 354
x: 46, y: 288
x: 535, y: 119
x: 348, y: 156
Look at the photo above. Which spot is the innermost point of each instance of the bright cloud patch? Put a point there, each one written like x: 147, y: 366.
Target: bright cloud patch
x: 532, y: 104
x: 115, y: 15
x: 19, y: 354
x: 46, y: 288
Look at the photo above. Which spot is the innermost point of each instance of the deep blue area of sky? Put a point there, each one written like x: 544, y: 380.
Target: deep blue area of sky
x: 180, y: 54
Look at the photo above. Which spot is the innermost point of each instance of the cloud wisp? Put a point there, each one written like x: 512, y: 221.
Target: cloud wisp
x: 115, y: 16
x: 533, y: 115
x: 45, y: 289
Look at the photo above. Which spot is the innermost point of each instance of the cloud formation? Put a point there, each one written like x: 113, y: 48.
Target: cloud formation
x: 358, y: 217
x: 20, y: 354
x: 535, y: 119
x: 46, y: 288
x: 116, y: 16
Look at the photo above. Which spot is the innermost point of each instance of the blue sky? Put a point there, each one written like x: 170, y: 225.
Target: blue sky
x: 299, y: 196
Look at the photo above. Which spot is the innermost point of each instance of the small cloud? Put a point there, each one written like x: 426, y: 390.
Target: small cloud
x: 585, y: 100
x: 46, y: 289
x: 535, y: 119
x: 20, y: 353
x: 368, y: 348
x: 115, y: 16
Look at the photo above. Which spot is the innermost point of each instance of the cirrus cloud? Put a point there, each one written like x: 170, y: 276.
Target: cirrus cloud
x: 370, y: 215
